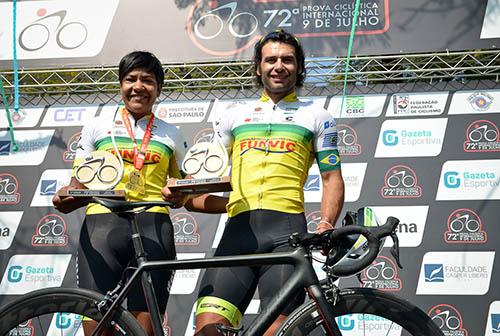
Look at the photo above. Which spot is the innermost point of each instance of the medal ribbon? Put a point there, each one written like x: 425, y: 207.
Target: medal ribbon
x: 140, y: 155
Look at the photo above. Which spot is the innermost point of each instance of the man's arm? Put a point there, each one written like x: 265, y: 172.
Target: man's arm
x: 70, y: 203
x: 207, y: 203
x: 332, y: 199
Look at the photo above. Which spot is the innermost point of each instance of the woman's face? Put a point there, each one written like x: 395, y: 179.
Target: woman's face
x: 139, y: 90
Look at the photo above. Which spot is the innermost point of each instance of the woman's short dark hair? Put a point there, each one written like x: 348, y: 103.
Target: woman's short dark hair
x: 141, y: 60
x: 281, y: 36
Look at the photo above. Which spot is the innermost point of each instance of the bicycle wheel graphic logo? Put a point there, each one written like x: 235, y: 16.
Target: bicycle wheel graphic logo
x: 9, y: 187
x: 401, y: 182
x: 348, y: 140
x: 482, y: 136
x: 312, y: 220
x: 185, y: 229
x: 50, y: 231
x: 67, y: 34
x: 71, y: 147
x: 381, y: 274
x: 464, y: 226
x: 448, y: 319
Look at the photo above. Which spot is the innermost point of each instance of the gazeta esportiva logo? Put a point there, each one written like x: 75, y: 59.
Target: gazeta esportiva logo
x: 469, y: 180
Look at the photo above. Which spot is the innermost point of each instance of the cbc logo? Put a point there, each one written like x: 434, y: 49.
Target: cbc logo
x: 185, y: 229
x: 448, y: 319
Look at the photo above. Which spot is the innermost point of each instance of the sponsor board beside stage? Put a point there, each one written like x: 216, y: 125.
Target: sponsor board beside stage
x: 50, y: 182
x: 411, y: 137
x: 61, y: 116
x: 33, y: 146
x: 469, y: 180
x: 455, y: 273
x: 28, y: 272
x: 185, y: 281
x: 182, y: 112
x: 25, y: 117
x: 475, y: 102
x: 367, y: 106
x: 416, y: 104
x: 9, y: 222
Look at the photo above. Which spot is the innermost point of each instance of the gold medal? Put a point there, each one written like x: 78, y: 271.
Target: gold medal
x: 136, y: 182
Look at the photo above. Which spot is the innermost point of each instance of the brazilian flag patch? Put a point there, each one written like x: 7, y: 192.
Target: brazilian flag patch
x: 328, y: 160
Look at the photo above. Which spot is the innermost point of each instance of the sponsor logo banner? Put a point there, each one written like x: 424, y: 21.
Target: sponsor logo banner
x: 382, y: 274
x: 25, y: 117
x: 401, y: 182
x: 493, y: 321
x: 28, y: 272
x: 56, y: 29
x: 32, y: 145
x: 417, y: 104
x: 50, y: 182
x: 469, y: 180
x: 185, y: 280
x: 368, y: 106
x: 366, y: 324
x: 9, y: 222
x: 353, y: 175
x: 464, y: 226
x: 482, y: 136
x: 348, y: 141
x: 9, y: 189
x: 411, y: 227
x: 475, y: 102
x: 448, y: 319
x: 185, y: 229
x: 455, y: 273
x: 69, y: 116
x: 50, y: 231
x: 183, y: 112
x: 63, y: 323
x: 411, y: 138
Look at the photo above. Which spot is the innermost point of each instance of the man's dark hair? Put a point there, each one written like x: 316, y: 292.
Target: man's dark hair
x: 141, y: 60
x: 284, y: 37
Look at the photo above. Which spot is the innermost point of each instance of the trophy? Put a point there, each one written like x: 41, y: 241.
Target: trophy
x: 100, y: 172
x: 206, y: 162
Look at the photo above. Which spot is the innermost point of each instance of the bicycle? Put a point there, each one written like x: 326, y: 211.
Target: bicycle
x: 326, y: 314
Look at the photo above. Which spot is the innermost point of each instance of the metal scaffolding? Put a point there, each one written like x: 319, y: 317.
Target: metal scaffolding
x: 188, y: 81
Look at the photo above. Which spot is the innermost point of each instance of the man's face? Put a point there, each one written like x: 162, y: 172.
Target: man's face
x: 278, y: 69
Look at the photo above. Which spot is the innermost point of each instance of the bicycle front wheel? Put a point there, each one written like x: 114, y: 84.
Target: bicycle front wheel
x: 61, y: 311
x: 360, y: 312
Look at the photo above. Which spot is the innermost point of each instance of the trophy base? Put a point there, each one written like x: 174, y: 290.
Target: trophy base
x: 201, y: 185
x: 115, y: 194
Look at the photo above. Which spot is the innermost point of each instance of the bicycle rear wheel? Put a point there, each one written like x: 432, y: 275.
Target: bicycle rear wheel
x: 60, y: 311
x: 360, y: 312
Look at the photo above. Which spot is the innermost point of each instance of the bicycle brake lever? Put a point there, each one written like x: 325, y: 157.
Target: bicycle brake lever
x: 395, y: 249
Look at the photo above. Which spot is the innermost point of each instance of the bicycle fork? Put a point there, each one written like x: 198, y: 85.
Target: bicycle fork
x: 325, y: 309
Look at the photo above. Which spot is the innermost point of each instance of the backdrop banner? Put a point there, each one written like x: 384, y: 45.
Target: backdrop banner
x: 94, y: 33
x: 431, y: 159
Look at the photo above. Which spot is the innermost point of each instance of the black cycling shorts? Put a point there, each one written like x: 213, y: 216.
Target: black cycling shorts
x: 256, y: 231
x: 106, y: 250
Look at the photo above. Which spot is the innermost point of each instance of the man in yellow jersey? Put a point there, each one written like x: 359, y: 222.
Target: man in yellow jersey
x: 273, y: 143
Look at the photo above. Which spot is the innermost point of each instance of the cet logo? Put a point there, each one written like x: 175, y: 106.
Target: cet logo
x: 67, y: 35
x: 464, y: 226
x: 434, y: 272
x: 14, y: 274
x: 9, y: 187
x: 185, y: 229
x: 448, y: 319
x: 390, y: 138
x: 348, y: 140
x: 451, y: 180
x: 4, y: 147
x: 204, y: 135
x: 482, y: 136
x: 312, y: 183
x: 312, y: 221
x: 401, y: 182
x: 382, y: 274
x: 480, y: 101
x: 495, y: 323
x: 72, y: 146
x: 50, y: 231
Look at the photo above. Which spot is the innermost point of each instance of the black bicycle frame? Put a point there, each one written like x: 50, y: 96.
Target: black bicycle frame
x: 304, y: 277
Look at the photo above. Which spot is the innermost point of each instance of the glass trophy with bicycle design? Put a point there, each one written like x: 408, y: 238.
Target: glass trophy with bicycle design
x: 100, y: 172
x: 205, y: 162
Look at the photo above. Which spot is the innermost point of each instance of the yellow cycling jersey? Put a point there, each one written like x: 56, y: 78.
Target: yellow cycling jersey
x: 163, y: 158
x: 272, y: 147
